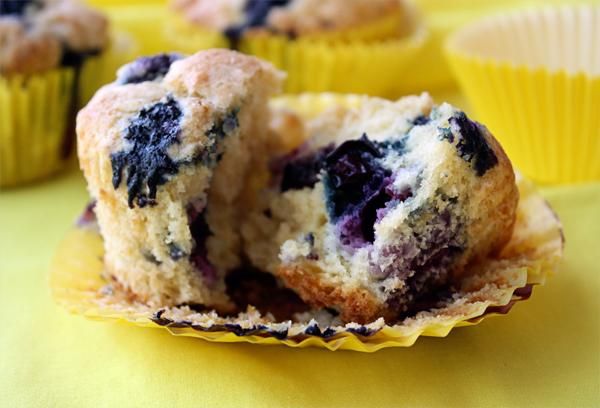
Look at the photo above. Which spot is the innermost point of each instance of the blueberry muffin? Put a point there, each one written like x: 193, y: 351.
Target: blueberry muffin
x: 292, y: 18
x: 39, y: 35
x: 45, y: 50
x: 165, y: 150
x: 381, y: 207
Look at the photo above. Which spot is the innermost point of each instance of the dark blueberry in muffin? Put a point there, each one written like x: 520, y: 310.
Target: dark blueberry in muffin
x: 146, y: 160
x: 356, y: 185
x: 15, y: 7
x: 147, y: 68
x: 421, y: 120
x: 303, y: 170
x: 430, y: 252
x: 255, y: 13
x: 472, y: 145
x: 175, y: 252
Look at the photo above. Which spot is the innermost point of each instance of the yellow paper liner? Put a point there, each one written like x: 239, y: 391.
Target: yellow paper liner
x: 369, y: 59
x: 179, y: 35
x: 546, y: 118
x: 100, y: 70
x: 34, y: 113
x: 491, y: 288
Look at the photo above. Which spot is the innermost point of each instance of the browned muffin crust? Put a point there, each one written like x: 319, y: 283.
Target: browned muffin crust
x: 297, y: 17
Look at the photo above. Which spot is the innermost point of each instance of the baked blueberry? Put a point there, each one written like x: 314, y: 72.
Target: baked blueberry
x: 146, y: 160
x: 472, y: 144
x: 15, y: 7
x: 147, y: 68
x: 301, y: 170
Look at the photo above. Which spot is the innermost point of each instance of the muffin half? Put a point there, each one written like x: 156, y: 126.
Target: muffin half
x: 165, y: 150
x: 382, y: 206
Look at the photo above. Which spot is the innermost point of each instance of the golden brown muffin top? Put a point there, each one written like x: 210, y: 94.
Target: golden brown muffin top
x: 203, y: 86
x: 36, y: 36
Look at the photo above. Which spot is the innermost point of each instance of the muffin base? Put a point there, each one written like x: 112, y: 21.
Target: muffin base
x: 492, y: 288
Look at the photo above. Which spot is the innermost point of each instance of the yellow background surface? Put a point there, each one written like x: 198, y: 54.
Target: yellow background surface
x: 545, y: 353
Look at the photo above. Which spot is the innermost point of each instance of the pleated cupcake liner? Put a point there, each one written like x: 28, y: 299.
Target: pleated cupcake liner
x: 34, y: 126
x: 533, y: 77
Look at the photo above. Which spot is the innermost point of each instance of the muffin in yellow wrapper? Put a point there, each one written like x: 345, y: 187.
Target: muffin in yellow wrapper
x: 37, y: 113
x: 490, y: 288
x: 34, y: 124
x: 366, y: 59
x: 533, y: 77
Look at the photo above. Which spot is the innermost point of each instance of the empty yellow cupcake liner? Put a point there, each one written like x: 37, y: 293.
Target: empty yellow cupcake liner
x: 369, y: 59
x: 37, y: 113
x: 492, y: 289
x: 540, y: 95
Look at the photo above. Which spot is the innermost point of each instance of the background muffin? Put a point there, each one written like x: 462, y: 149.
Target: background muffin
x: 293, y: 18
x: 323, y: 45
x: 44, y: 46
x: 40, y: 35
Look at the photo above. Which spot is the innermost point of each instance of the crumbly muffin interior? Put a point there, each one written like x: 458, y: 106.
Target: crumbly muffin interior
x: 388, y: 202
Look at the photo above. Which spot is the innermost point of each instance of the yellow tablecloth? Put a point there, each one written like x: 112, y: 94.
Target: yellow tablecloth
x: 545, y: 353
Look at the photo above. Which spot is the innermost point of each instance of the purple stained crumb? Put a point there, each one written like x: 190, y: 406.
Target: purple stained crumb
x: 88, y: 216
x: 201, y: 262
x: 424, y: 258
x: 147, y: 68
x: 349, y: 229
x: 199, y: 257
x: 427, y: 248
